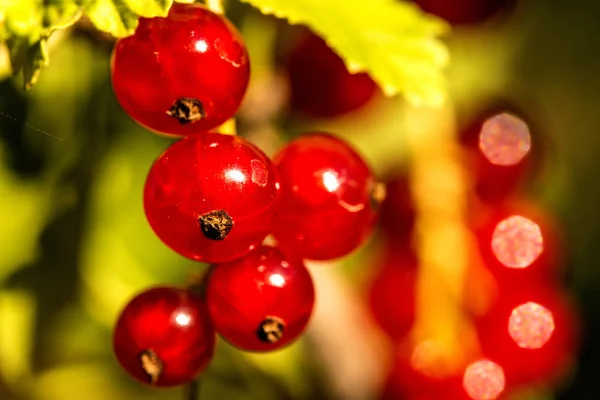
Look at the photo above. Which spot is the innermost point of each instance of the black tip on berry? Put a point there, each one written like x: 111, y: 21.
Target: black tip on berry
x: 152, y: 365
x: 187, y: 110
x: 216, y: 224
x: 270, y: 330
x: 377, y: 194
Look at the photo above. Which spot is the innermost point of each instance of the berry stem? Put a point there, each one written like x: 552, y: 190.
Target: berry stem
x: 215, y: 6
x: 192, y: 390
x: 443, y: 335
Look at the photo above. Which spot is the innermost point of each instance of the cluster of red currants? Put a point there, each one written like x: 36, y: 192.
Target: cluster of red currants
x: 215, y: 198
x: 525, y: 325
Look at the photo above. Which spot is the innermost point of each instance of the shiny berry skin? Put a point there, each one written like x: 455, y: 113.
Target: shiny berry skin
x: 320, y: 84
x: 464, y: 12
x: 186, y: 73
x: 392, y: 293
x: 164, y: 337
x: 210, y: 197
x: 532, y: 332
x: 327, y: 206
x: 262, y: 301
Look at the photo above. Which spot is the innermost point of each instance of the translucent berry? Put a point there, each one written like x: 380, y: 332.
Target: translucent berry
x: 186, y: 73
x: 262, y: 301
x: 329, y: 199
x: 164, y: 337
x: 210, y: 197
x: 392, y: 293
x: 320, y: 84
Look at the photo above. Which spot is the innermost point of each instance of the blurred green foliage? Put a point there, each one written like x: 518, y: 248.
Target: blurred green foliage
x: 75, y: 245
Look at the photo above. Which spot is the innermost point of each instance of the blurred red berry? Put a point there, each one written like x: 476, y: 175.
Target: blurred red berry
x: 392, y: 293
x: 458, y: 12
x: 320, y: 84
x: 519, y: 243
x: 531, y: 332
x: 397, y: 211
x: 498, y: 146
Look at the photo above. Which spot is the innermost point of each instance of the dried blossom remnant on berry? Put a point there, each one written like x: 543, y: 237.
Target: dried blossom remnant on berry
x: 216, y: 225
x: 152, y: 365
x: 377, y: 194
x: 187, y: 110
x: 271, y: 330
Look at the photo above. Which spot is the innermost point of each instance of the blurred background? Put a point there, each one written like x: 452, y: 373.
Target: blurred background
x: 75, y: 245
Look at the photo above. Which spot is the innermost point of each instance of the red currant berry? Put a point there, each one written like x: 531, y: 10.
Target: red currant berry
x: 210, y: 197
x: 164, y: 337
x: 327, y: 206
x: 531, y: 332
x: 461, y: 12
x: 519, y: 244
x: 392, y: 293
x: 320, y: 84
x: 397, y: 211
x: 262, y: 301
x: 186, y: 73
x: 498, y: 148
x: 407, y: 382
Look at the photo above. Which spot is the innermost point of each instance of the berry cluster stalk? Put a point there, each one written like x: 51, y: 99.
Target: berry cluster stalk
x: 442, y: 333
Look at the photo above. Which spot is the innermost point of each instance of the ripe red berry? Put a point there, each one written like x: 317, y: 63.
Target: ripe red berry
x: 262, y: 301
x: 392, y: 293
x: 210, y: 197
x: 397, y: 211
x: 327, y: 206
x: 498, y: 147
x: 460, y: 12
x: 164, y: 337
x: 519, y: 244
x: 407, y: 382
x: 531, y: 332
x: 186, y: 73
x: 320, y: 84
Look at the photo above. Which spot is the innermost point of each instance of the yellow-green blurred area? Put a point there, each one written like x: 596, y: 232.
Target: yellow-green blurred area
x: 75, y: 244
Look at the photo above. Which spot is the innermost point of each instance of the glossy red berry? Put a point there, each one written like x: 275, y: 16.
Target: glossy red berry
x: 320, y: 84
x: 459, y: 12
x: 498, y: 147
x: 262, y: 301
x: 392, y: 293
x: 164, y: 337
x: 531, y: 332
x: 327, y: 206
x: 397, y: 211
x: 210, y: 197
x: 186, y: 73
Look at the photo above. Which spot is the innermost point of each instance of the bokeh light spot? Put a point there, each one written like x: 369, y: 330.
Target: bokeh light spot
x: 183, y: 318
x: 330, y: 181
x: 504, y: 139
x: 484, y: 380
x: 277, y: 280
x: 517, y: 242
x: 531, y: 325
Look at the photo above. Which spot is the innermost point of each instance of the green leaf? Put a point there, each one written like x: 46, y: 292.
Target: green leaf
x: 396, y: 43
x: 26, y: 25
x: 120, y: 17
